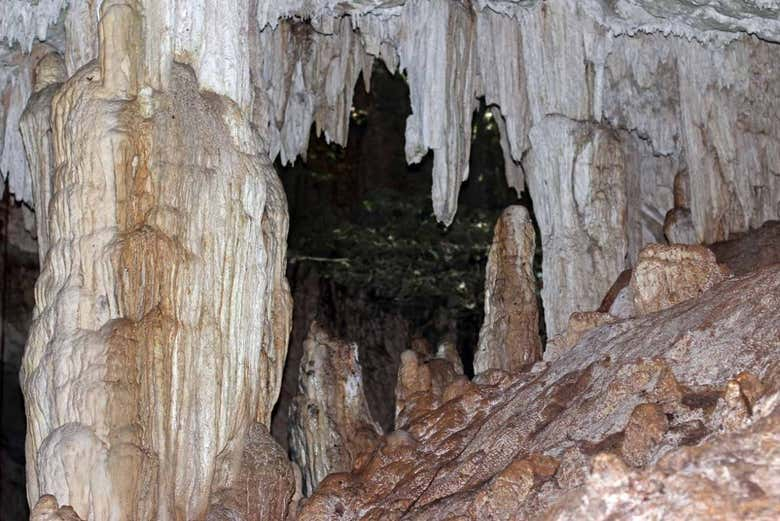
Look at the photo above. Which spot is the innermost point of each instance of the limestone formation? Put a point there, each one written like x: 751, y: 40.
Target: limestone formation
x: 381, y: 337
x: 330, y: 423
x: 750, y: 251
x: 422, y: 384
x: 579, y: 324
x: 161, y: 311
x: 645, y: 389
x: 602, y: 108
x: 678, y: 224
x: 262, y: 488
x: 667, y: 275
x: 509, y: 338
x: 646, y: 427
x: 47, y: 509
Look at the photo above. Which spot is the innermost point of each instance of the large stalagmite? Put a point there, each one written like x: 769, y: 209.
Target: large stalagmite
x: 162, y: 316
x: 509, y: 338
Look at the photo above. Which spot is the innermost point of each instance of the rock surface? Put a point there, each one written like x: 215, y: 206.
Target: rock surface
x: 161, y: 193
x: 751, y: 250
x: 381, y: 337
x: 603, y: 106
x: 509, y: 338
x: 647, y: 389
x: 330, y: 423
x: 422, y: 385
x: 667, y: 275
x: 262, y: 488
x: 161, y: 314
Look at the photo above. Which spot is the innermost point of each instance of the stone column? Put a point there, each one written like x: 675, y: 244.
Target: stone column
x: 162, y: 313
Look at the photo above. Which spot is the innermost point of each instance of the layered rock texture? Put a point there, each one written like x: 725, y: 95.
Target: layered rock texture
x: 380, y: 336
x: 509, y: 338
x: 162, y: 314
x: 613, y: 114
x: 330, y: 423
x: 679, y: 394
x: 141, y: 131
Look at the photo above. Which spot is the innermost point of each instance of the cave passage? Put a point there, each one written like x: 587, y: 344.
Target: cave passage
x: 366, y: 256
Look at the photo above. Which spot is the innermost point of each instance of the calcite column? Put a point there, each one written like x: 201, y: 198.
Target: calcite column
x: 161, y: 310
x: 509, y: 338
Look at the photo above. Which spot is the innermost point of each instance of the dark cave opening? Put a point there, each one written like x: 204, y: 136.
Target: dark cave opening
x: 19, y: 261
x: 366, y: 255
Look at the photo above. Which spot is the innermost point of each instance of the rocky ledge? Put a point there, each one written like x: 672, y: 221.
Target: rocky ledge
x: 671, y: 414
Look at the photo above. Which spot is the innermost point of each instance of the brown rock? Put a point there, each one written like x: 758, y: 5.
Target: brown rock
x: 750, y: 251
x: 263, y: 486
x: 509, y: 338
x: 579, y: 324
x: 503, y: 497
x: 667, y: 275
x: 645, y: 430
x: 627, y: 376
x: 620, y: 283
x: 47, y: 509
x: 422, y: 383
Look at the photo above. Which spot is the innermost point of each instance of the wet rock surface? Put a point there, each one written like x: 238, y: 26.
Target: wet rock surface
x: 665, y: 393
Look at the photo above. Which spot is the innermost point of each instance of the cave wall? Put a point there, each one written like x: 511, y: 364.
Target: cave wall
x: 602, y: 105
x: 165, y: 224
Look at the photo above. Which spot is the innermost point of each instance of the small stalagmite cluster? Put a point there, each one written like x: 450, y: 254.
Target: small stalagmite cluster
x: 670, y: 413
x: 143, y: 133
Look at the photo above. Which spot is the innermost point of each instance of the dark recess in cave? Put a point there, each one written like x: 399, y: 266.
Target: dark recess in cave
x: 19, y: 270
x: 366, y: 255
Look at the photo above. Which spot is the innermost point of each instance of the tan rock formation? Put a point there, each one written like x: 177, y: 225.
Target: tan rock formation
x: 678, y: 224
x: 645, y: 389
x: 645, y: 430
x: 579, y: 324
x: 47, y: 509
x: 422, y: 384
x: 262, y: 488
x: 509, y: 338
x: 667, y: 275
x: 160, y: 328
x: 728, y: 476
x: 162, y: 314
x: 600, y: 110
x: 330, y: 424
